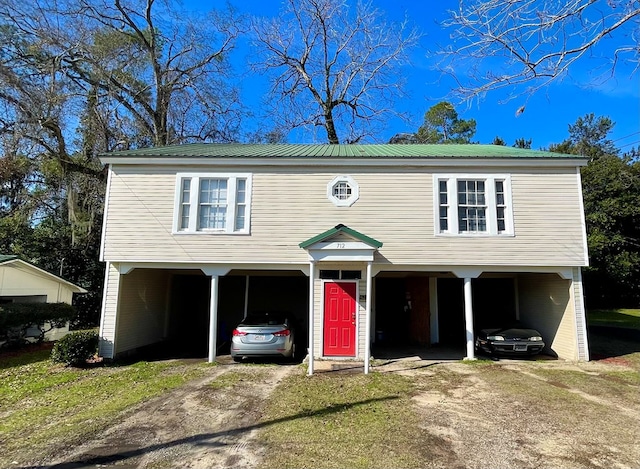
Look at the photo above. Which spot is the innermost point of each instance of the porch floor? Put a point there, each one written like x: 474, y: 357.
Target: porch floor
x: 418, y: 352
x: 391, y: 358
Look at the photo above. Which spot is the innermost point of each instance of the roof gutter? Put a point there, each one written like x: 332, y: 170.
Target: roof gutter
x: 455, y: 161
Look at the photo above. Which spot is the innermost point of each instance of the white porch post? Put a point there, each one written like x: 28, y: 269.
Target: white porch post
x: 213, y: 318
x: 367, y: 330
x: 312, y: 269
x: 433, y: 307
x: 468, y: 318
x: 246, y: 296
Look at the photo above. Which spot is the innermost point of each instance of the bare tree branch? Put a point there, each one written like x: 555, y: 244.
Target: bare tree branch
x: 333, y: 66
x: 497, y: 44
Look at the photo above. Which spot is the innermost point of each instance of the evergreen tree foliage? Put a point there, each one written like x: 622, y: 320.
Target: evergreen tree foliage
x: 442, y: 125
x: 611, y: 191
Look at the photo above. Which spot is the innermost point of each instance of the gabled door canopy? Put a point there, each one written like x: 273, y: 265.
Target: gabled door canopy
x: 341, y: 243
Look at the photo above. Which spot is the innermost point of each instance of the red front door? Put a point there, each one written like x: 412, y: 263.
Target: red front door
x: 340, y: 319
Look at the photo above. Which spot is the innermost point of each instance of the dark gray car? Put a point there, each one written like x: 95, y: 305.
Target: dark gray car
x: 512, y: 341
x: 267, y: 334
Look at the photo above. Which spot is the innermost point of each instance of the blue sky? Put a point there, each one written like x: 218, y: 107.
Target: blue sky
x: 546, y: 117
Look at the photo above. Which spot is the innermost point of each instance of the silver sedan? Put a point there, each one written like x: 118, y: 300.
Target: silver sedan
x: 264, y: 335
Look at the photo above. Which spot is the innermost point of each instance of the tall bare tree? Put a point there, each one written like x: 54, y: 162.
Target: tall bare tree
x: 496, y: 44
x: 160, y: 71
x: 81, y: 77
x: 333, y: 65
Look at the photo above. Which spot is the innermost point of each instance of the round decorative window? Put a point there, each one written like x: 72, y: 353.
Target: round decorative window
x: 343, y: 191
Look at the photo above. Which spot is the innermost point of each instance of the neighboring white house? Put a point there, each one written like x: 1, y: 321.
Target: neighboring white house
x: 413, y: 243
x: 22, y: 282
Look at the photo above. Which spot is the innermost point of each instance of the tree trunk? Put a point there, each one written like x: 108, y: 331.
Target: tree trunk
x: 332, y: 135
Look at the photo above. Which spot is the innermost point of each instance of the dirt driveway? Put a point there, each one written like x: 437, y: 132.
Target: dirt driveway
x: 528, y: 423
x: 519, y: 414
x: 208, y: 423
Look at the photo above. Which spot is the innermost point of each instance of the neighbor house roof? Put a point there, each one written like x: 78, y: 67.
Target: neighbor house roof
x: 241, y: 150
x: 12, y: 259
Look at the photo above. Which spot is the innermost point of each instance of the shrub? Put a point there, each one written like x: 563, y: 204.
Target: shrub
x: 16, y: 318
x: 75, y: 348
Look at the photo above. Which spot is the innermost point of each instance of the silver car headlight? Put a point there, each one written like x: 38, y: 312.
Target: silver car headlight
x: 495, y: 337
x: 535, y: 338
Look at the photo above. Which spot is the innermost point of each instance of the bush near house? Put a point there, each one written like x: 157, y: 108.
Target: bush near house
x: 17, y: 318
x: 75, y: 348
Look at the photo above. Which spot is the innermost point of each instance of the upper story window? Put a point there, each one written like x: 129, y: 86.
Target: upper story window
x: 343, y: 191
x: 473, y: 204
x: 212, y: 203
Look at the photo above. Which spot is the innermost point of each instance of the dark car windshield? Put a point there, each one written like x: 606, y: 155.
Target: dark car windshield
x: 265, y: 319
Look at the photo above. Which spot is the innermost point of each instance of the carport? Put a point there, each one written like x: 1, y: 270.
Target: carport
x: 422, y: 309
x: 403, y: 309
x: 172, y: 307
x: 414, y: 311
x: 493, y: 299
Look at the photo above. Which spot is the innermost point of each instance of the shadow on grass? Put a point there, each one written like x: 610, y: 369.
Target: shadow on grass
x: 25, y: 355
x: 615, y: 318
x: 610, y: 342
x: 119, y: 456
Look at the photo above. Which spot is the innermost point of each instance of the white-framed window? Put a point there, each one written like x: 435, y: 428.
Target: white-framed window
x: 473, y: 204
x: 343, y: 191
x: 212, y: 203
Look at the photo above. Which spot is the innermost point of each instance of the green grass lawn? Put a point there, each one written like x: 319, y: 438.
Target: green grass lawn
x: 628, y: 318
x: 337, y: 419
x: 615, y: 335
x: 363, y: 420
x: 43, y: 405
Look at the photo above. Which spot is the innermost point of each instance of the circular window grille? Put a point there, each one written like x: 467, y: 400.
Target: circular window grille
x: 342, y: 190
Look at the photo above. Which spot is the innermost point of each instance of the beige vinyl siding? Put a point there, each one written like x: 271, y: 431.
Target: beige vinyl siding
x: 142, y: 308
x: 580, y: 313
x: 396, y: 208
x: 546, y: 303
x: 109, y: 312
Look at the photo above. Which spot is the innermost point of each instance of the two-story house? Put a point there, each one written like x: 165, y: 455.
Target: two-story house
x: 401, y: 243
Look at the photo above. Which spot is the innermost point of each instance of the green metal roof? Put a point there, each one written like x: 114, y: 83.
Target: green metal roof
x: 243, y: 150
x: 338, y: 229
x: 6, y: 258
